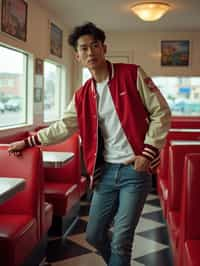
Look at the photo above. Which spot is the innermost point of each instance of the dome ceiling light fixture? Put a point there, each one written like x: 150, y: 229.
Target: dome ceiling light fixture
x: 150, y: 11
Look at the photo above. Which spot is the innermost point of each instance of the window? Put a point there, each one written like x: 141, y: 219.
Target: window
x: 85, y: 75
x: 181, y: 93
x: 13, y: 84
x: 52, y: 91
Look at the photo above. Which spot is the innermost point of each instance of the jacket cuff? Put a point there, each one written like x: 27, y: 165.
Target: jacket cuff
x: 32, y: 141
x: 155, y: 163
x: 150, y: 152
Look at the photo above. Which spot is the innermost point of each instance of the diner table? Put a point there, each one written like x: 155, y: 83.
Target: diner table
x: 56, y: 159
x: 9, y: 186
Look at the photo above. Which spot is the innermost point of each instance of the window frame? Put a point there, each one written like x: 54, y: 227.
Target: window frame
x: 176, y: 115
x: 28, y: 88
x: 61, y: 97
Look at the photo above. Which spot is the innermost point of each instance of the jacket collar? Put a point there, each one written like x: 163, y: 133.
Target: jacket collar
x: 111, y: 74
x: 111, y: 70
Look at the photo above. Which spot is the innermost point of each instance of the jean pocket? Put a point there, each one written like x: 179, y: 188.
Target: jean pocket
x: 138, y: 172
x: 132, y: 165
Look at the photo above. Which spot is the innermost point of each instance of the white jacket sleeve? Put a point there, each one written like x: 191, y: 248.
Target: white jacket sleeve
x: 158, y: 109
x: 62, y: 129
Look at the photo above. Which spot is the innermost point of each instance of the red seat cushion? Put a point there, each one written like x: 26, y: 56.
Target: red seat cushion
x: 18, y: 236
x: 62, y: 196
x: 192, y: 253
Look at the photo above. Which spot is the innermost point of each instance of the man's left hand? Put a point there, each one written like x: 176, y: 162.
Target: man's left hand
x: 141, y: 163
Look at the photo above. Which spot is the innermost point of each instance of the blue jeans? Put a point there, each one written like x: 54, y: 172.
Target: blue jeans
x: 118, y: 200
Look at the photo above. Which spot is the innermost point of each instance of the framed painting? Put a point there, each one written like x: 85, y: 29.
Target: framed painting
x: 56, y: 39
x: 14, y: 18
x: 175, y: 53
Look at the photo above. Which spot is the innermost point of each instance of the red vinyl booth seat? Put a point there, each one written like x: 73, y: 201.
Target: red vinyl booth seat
x: 177, y: 154
x: 189, y: 248
x: 62, y: 196
x: 47, y: 212
x: 73, y: 168
x: 191, y: 253
x: 20, y: 216
x: 185, y: 122
x: 63, y: 186
x: 174, y: 228
x: 162, y: 177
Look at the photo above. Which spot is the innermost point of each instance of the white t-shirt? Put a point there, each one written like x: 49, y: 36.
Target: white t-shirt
x: 117, y: 149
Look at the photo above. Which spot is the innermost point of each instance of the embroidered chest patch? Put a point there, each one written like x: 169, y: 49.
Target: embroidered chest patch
x: 148, y: 81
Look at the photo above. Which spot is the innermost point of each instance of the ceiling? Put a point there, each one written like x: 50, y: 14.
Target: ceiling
x: 115, y: 15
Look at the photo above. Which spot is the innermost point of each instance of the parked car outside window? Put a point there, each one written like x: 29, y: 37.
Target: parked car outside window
x: 2, y: 107
x: 13, y: 104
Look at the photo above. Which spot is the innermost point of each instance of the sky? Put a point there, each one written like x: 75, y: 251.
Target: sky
x: 10, y: 61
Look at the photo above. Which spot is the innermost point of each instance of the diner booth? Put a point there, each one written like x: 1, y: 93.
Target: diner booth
x: 45, y: 202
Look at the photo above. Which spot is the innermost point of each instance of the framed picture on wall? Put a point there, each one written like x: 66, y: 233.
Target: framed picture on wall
x: 14, y: 18
x: 175, y: 53
x: 56, y: 39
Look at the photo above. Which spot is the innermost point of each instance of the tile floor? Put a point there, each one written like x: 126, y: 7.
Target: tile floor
x: 150, y: 248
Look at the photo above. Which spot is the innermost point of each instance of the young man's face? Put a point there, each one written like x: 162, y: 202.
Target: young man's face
x: 90, y: 52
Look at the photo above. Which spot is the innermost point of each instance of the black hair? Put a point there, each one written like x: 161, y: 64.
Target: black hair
x: 86, y: 29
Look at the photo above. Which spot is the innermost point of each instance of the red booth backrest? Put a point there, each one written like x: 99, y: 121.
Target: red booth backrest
x: 176, y: 165
x: 14, y: 137
x: 174, y: 135
x: 191, y: 197
x: 29, y: 167
x: 185, y: 122
x: 71, y: 172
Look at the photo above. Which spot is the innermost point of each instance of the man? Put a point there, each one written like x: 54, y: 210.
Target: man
x: 121, y: 106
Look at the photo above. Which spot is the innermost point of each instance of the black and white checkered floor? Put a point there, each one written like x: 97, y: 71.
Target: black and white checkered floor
x: 151, y: 245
